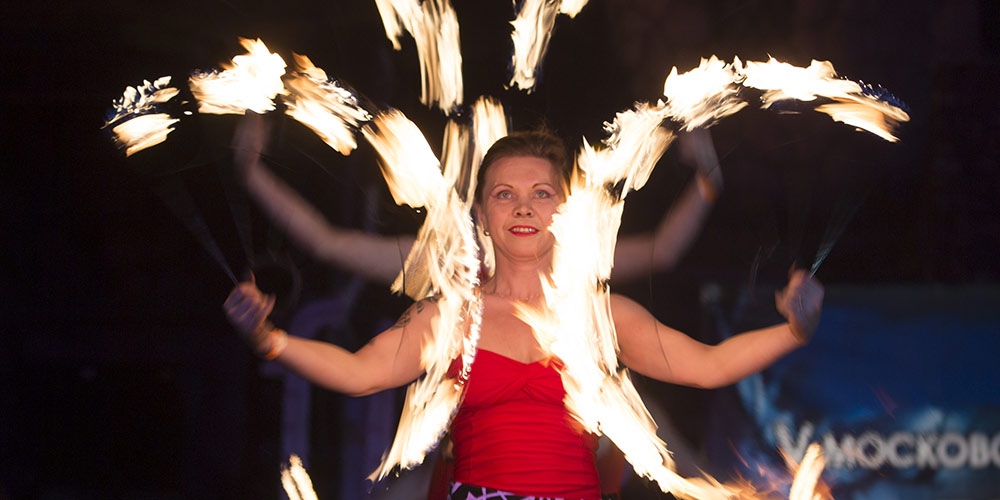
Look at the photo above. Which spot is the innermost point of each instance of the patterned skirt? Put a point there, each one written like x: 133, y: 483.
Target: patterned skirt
x: 461, y: 491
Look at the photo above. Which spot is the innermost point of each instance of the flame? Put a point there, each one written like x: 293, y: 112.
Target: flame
x: 710, y: 92
x: 575, y: 324
x: 296, y: 481
x: 251, y: 81
x: 532, y: 33
x: 806, y: 482
x: 323, y: 105
x: 703, y: 95
x: 446, y: 257
x: 143, y: 131
x: 434, y: 28
x: 136, y: 124
x: 571, y: 7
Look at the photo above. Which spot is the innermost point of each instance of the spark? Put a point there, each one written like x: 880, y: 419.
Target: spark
x: 324, y: 105
x: 250, y: 82
x: 136, y: 123
x: 434, y: 28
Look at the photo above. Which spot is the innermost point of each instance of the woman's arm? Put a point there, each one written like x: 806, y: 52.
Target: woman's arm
x: 660, y: 352
x: 390, y: 359
x: 639, y: 254
x: 375, y: 257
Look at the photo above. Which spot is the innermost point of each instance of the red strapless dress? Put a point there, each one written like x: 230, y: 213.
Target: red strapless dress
x: 513, y: 432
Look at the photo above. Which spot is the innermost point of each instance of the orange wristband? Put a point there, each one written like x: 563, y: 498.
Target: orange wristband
x: 278, y: 340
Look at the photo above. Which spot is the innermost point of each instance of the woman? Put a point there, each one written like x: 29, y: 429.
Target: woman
x: 512, y: 433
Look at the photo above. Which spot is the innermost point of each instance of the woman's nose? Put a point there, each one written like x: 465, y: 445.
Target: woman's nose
x: 523, y: 210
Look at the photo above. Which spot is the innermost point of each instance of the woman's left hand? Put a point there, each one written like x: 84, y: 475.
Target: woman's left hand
x: 801, y: 302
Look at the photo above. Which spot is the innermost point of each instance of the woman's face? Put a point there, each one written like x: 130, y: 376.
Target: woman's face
x: 520, y: 194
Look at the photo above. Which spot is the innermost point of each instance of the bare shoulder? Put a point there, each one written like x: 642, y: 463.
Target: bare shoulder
x: 625, y: 310
x: 419, y: 313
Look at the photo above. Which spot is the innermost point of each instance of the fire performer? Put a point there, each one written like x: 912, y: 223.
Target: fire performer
x: 513, y: 434
x: 377, y: 257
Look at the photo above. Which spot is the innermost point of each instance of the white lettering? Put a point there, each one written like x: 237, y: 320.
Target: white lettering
x: 895, y: 455
x: 798, y: 449
x: 871, y: 450
x: 995, y: 450
x: 900, y: 450
x: 839, y: 455
x: 925, y: 451
x: 952, y: 450
x: 979, y: 450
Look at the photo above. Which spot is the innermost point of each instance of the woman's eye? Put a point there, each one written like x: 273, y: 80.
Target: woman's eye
x: 543, y: 194
x: 504, y: 195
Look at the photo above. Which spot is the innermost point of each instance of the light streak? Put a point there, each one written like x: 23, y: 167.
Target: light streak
x: 576, y: 323
x: 434, y: 28
x: 783, y: 81
x: 806, y: 480
x: 136, y: 123
x: 706, y: 94
x: 296, y: 481
x: 324, y: 105
x: 532, y: 33
x: 446, y: 256
x: 250, y: 82
x: 703, y: 95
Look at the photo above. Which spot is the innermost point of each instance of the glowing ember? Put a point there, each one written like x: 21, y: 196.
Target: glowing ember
x: 323, y: 105
x: 434, y: 28
x: 296, y: 481
x: 445, y: 257
x: 251, y: 82
x: 137, y: 125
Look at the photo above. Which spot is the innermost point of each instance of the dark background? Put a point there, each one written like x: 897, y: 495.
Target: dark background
x: 120, y: 377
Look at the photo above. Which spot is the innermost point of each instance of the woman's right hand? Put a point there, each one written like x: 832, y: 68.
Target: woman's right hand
x: 247, y: 308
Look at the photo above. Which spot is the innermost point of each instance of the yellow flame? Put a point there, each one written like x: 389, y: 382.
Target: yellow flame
x: 806, y: 482
x: 576, y: 324
x: 445, y: 255
x: 531, y: 36
x: 146, y: 128
x: 296, y: 481
x: 143, y: 131
x: 489, y: 125
x: 571, y: 7
x: 434, y: 28
x: 324, y: 106
x: 782, y: 81
x: 532, y: 33
x: 702, y: 95
x: 251, y: 81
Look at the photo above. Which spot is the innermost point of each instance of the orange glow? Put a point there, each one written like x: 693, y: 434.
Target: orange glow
x: 250, y: 82
x: 145, y: 128
x: 327, y: 108
x: 434, y: 28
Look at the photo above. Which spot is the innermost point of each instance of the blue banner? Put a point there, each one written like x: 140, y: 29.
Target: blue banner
x: 900, y: 387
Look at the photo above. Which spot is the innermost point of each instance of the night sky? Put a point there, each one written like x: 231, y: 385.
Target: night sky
x: 120, y: 376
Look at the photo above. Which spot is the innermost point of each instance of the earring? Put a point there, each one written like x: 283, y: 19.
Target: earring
x: 486, y: 232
